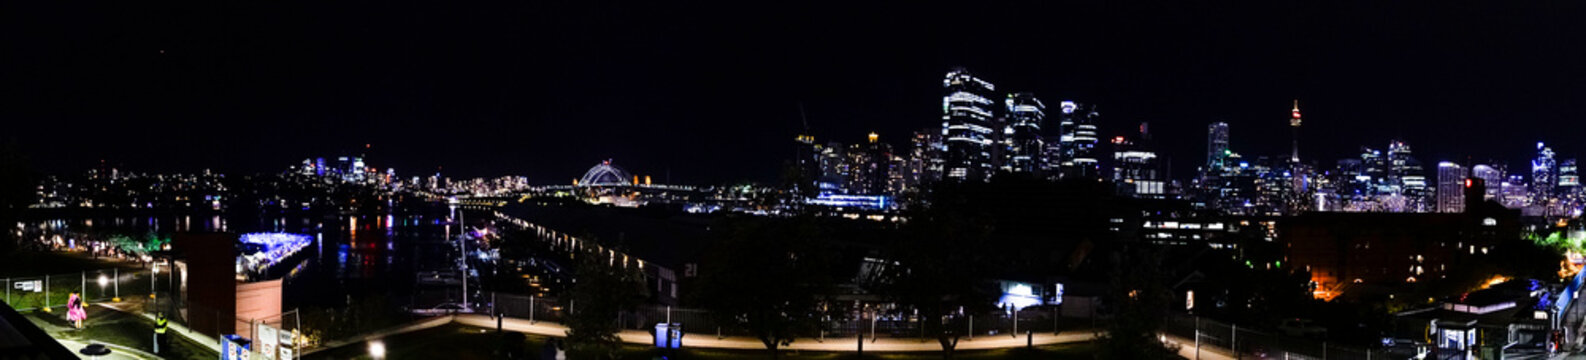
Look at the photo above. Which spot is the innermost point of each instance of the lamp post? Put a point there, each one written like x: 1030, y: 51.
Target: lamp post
x: 154, y: 273
x: 103, y: 281
x: 377, y: 349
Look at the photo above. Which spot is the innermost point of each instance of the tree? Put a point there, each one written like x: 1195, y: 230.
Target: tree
x: 940, y: 269
x: 768, y: 276
x: 1139, y: 299
x: 600, y: 291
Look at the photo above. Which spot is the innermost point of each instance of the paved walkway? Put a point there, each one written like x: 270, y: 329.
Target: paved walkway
x: 1206, y: 352
x: 136, y: 308
x: 415, y: 326
x: 689, y: 340
x: 801, y: 344
x: 117, y: 352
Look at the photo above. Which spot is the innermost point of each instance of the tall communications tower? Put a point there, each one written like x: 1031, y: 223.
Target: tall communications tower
x: 1294, y: 125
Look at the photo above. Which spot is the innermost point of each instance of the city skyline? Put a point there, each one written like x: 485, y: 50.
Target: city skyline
x: 1109, y: 180
x: 665, y: 102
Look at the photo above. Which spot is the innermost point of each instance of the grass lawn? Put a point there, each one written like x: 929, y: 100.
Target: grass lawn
x: 457, y: 342
x: 115, y: 327
x: 70, y: 272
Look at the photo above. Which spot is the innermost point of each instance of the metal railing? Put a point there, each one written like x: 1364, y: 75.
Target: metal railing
x: 1240, y: 342
x: 26, y: 293
x: 883, y: 325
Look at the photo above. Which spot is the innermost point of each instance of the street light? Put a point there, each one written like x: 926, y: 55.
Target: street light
x: 377, y: 349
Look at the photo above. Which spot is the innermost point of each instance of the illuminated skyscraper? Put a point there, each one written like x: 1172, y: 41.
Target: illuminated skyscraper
x: 1450, y: 187
x: 1375, y: 167
x: 1136, y: 172
x: 967, y: 126
x: 1569, y: 189
x: 1052, y: 157
x: 1543, y: 174
x: 1349, y: 178
x: 1022, y: 137
x: 833, y: 165
x: 1078, y: 141
x: 1405, y: 177
x: 924, y: 163
x: 1568, y: 176
x: 1512, y: 193
x: 1216, y: 145
x: 1492, y: 176
x: 1207, y: 187
x: 870, y: 167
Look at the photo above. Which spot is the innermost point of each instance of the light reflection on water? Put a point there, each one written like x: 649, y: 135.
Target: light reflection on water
x: 362, y: 263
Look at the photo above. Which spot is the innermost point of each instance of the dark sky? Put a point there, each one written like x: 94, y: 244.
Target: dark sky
x: 711, y: 92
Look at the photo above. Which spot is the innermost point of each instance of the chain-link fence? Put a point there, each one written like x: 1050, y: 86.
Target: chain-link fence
x: 1231, y: 340
x: 879, y: 324
x: 25, y: 293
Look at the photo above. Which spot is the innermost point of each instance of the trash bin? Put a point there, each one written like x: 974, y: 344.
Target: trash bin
x: 668, y: 335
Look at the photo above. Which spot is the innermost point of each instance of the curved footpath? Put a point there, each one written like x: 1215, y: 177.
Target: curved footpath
x: 691, y: 340
x: 801, y: 344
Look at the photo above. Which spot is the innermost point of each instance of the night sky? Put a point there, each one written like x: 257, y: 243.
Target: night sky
x: 711, y: 92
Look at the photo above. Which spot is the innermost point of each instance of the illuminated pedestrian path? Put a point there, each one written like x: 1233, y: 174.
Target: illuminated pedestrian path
x: 802, y: 344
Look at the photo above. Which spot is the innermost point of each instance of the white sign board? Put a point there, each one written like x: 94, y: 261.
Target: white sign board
x: 30, y: 285
x: 287, y: 342
x: 267, y: 337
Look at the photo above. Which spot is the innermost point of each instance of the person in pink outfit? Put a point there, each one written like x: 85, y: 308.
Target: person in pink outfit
x: 75, y: 311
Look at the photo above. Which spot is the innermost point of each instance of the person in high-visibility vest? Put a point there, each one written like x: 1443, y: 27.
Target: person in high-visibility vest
x: 160, y: 324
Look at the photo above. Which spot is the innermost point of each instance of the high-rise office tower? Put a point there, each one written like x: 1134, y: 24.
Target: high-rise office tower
x: 1568, y: 176
x: 1136, y: 171
x: 924, y: 162
x: 1216, y: 145
x: 1450, y: 187
x: 1208, y: 183
x: 1349, y: 178
x: 833, y: 177
x: 967, y: 126
x: 1022, y: 136
x: 807, y: 158
x: 1078, y: 129
x: 870, y: 167
x: 1512, y: 192
x: 1569, y: 182
x: 1294, y: 126
x: 1405, y: 177
x: 1492, y: 177
x: 1374, y: 167
x: 1052, y: 157
x: 1543, y: 174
